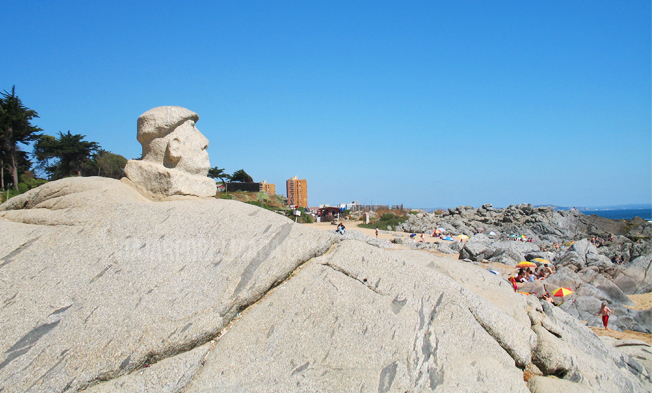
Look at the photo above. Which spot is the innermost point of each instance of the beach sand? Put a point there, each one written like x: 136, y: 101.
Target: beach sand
x: 641, y: 302
x: 385, y: 235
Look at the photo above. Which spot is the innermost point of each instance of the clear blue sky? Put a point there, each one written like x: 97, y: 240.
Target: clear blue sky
x: 429, y: 104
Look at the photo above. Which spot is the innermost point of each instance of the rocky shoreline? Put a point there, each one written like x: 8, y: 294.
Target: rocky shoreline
x: 581, y: 247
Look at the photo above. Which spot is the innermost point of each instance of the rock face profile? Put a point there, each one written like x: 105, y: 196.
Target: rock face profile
x: 175, y: 160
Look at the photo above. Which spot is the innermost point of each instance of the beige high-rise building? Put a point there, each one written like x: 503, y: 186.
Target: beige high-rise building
x: 297, y: 192
x: 269, y: 188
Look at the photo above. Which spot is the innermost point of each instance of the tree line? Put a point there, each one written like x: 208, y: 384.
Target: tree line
x: 56, y: 157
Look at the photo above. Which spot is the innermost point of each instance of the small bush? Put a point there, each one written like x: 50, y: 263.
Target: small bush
x: 262, y: 196
x: 387, y: 219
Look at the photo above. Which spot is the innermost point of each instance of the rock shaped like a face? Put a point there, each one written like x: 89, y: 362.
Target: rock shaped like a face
x: 193, y: 154
x: 175, y: 157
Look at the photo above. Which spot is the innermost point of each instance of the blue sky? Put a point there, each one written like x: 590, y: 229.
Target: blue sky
x: 428, y: 104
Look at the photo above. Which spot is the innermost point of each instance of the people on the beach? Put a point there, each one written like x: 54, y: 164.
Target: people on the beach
x: 521, y: 276
x: 376, y: 232
x: 340, y: 229
x: 546, y: 296
x: 605, y: 311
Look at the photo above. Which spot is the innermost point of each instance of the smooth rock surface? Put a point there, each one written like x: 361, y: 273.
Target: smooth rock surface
x: 360, y: 319
x: 109, y: 281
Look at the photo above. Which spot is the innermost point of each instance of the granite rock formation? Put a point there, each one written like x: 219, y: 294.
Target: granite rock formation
x: 105, y: 290
x: 581, y: 266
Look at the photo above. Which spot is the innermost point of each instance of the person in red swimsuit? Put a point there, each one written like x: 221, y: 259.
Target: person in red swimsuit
x: 605, y: 311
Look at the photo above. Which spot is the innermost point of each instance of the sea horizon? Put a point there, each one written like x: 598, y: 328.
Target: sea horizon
x: 619, y: 212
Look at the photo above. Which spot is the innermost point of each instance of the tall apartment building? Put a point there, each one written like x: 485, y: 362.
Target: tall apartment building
x: 269, y: 188
x: 297, y: 192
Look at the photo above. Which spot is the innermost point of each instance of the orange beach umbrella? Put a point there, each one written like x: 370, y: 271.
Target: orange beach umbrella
x: 541, y: 260
x: 562, y: 292
x: 526, y: 264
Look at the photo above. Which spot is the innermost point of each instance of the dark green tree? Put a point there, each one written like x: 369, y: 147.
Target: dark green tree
x: 15, y: 127
x: 241, y: 176
x: 218, y: 173
x: 104, y: 163
x: 67, y: 155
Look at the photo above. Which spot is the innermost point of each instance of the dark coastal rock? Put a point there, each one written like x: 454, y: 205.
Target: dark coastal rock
x: 565, y: 277
x: 615, y: 294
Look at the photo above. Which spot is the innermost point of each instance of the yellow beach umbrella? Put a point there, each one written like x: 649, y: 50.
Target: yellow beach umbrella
x: 462, y: 237
x: 562, y: 292
x: 541, y: 260
x: 526, y: 264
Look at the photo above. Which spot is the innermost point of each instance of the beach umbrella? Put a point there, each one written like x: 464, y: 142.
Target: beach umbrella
x: 448, y: 238
x: 442, y: 230
x: 562, y: 292
x: 541, y: 260
x: 462, y: 237
x: 526, y: 264
x: 492, y: 233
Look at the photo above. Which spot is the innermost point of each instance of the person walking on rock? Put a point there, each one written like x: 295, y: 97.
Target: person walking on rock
x: 605, y: 311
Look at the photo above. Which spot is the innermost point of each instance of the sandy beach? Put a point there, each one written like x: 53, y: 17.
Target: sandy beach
x: 385, y: 235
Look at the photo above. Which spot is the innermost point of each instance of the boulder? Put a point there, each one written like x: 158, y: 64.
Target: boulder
x: 473, y: 250
x: 583, y: 247
x: 564, y: 277
x: 600, y: 261
x: 615, y: 294
x: 637, y: 277
x: 594, y: 364
x: 644, y: 320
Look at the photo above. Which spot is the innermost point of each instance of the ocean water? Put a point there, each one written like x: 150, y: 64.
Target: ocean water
x: 617, y: 214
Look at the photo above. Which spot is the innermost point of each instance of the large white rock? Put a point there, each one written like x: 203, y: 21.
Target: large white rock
x: 362, y: 319
x: 98, y: 282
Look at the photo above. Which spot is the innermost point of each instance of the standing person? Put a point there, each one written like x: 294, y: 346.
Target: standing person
x: 604, y: 311
x: 376, y: 232
x: 423, y: 238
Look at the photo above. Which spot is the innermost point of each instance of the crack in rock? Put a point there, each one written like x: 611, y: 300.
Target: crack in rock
x: 363, y: 281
